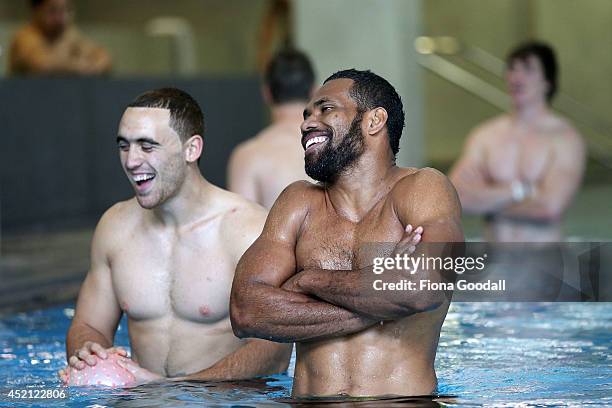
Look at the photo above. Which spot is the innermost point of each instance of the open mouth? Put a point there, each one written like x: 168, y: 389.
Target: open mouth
x: 313, y: 141
x: 143, y: 180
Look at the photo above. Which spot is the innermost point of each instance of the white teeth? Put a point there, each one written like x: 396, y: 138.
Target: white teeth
x: 315, y: 140
x: 142, y: 177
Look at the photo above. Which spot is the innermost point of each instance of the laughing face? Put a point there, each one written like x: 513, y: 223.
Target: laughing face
x: 151, y: 154
x: 331, y: 132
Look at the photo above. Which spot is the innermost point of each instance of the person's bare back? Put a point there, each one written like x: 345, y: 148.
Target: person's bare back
x: 262, y: 167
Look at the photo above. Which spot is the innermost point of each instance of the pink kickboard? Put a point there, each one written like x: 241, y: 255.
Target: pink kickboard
x: 105, y: 373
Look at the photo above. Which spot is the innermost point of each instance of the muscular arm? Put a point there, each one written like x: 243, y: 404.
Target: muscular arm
x: 477, y: 193
x: 254, y: 359
x: 557, y: 188
x: 97, y: 312
x: 426, y: 199
x: 260, y: 307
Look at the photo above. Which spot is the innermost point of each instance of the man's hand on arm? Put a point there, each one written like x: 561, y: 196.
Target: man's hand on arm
x: 478, y: 194
x: 430, y: 201
x: 265, y: 310
x: 350, y: 288
x: 259, y: 307
x: 255, y: 358
x: 547, y: 200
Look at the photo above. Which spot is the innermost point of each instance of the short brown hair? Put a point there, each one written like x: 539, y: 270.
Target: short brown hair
x: 186, y: 117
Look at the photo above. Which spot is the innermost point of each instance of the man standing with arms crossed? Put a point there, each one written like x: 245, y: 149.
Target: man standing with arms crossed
x: 262, y: 167
x: 166, y: 258
x: 521, y: 170
x: 307, y: 278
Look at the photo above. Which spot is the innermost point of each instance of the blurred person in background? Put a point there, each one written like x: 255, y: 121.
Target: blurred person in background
x: 51, y: 45
x: 521, y: 170
x: 260, y: 168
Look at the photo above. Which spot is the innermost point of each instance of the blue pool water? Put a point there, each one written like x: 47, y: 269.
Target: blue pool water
x: 490, y: 354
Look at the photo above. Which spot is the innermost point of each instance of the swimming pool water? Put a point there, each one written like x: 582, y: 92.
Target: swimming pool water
x: 490, y: 354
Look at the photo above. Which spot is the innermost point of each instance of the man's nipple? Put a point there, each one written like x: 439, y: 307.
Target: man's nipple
x: 204, y: 310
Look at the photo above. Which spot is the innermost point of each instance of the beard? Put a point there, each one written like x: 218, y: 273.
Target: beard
x: 331, y: 162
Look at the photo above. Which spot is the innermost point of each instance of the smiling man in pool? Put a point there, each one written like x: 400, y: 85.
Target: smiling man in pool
x: 166, y: 258
x: 306, y: 279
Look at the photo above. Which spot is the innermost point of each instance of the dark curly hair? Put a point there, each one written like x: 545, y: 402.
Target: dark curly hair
x: 372, y: 91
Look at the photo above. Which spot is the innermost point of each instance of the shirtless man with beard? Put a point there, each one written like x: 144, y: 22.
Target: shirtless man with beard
x: 166, y: 258
x: 308, y: 277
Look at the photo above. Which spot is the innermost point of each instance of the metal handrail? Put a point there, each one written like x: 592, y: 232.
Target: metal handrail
x: 432, y: 51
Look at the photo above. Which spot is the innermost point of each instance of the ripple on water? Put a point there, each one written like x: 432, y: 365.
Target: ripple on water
x: 491, y: 354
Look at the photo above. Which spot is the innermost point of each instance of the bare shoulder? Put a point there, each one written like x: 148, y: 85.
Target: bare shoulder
x: 566, y: 134
x: 115, y: 223
x: 255, y: 148
x: 425, y: 190
x: 490, y: 127
x: 26, y: 35
x: 300, y: 196
x: 238, y: 211
x: 241, y: 220
x: 123, y: 213
x: 422, y: 181
x: 245, y: 152
x: 289, y: 212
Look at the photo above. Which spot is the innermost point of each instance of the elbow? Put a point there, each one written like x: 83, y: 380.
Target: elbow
x: 469, y: 204
x: 549, y: 213
x: 400, y: 310
x: 241, y: 320
x: 552, y: 212
x: 429, y: 301
x: 425, y: 301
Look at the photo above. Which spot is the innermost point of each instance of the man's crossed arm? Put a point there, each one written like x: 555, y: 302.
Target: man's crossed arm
x: 270, y: 301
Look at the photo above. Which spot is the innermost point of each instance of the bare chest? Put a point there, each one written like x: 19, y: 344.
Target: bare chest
x: 519, y: 157
x: 329, y: 241
x: 188, y: 278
